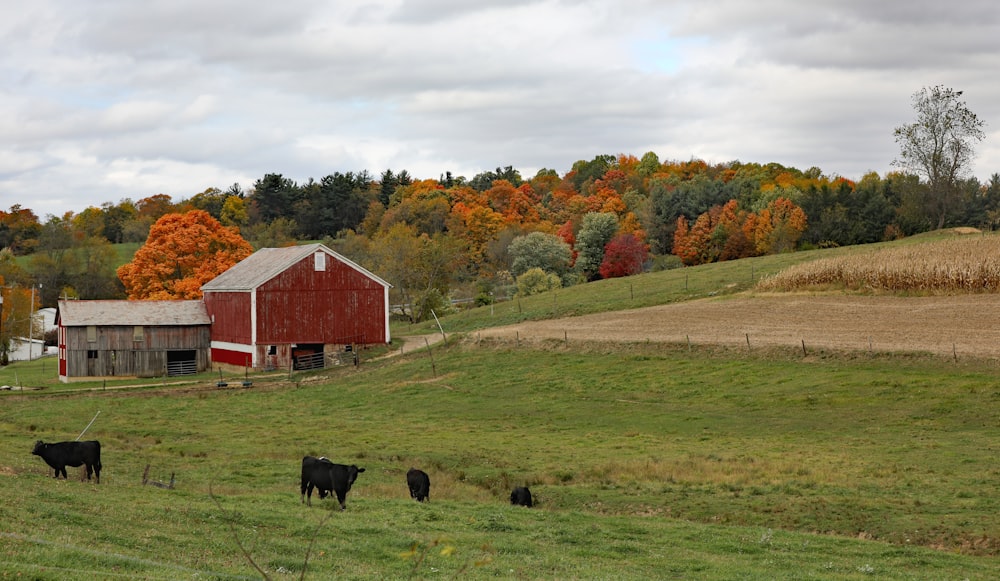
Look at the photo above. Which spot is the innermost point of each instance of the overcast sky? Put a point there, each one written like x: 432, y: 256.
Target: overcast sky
x: 113, y: 99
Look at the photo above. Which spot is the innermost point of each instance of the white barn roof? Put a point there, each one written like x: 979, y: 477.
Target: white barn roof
x: 75, y: 313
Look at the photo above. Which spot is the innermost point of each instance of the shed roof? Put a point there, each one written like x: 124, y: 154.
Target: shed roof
x: 74, y: 313
x: 267, y: 263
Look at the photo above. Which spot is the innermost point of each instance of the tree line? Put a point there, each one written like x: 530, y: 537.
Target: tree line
x: 655, y: 212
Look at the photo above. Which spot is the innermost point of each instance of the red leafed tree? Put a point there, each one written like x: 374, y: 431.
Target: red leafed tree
x: 154, y: 207
x: 736, y: 244
x: 623, y: 256
x: 183, y: 252
x: 566, y: 233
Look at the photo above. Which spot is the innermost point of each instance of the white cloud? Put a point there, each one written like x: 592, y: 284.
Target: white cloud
x: 122, y: 99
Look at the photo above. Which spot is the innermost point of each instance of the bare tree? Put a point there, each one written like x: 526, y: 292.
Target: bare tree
x: 939, y: 145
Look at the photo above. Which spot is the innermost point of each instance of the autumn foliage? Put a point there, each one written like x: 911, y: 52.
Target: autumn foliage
x: 728, y: 233
x: 698, y: 211
x: 15, y: 300
x: 183, y: 252
x: 623, y: 256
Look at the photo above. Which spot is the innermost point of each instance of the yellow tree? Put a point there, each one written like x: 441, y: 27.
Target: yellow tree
x: 89, y: 222
x: 183, y: 252
x: 234, y: 212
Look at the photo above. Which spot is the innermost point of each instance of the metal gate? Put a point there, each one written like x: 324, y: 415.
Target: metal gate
x: 310, y: 361
x: 182, y: 368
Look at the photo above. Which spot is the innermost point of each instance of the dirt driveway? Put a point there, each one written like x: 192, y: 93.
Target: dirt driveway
x: 968, y: 324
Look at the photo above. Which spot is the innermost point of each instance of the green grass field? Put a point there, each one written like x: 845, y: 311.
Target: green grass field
x: 646, y: 463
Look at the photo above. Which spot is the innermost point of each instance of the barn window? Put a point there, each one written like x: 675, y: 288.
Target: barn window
x: 92, y: 333
x: 137, y: 334
x: 319, y: 261
x: 92, y: 354
x: 272, y: 349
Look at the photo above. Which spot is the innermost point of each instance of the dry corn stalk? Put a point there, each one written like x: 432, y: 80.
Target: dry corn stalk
x: 966, y: 265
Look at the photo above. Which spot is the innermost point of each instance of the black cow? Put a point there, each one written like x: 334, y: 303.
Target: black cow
x: 419, y: 483
x: 325, y: 476
x: 521, y: 496
x: 62, y: 454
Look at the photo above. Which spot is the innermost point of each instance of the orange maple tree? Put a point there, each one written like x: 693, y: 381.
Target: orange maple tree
x: 694, y: 245
x: 779, y: 227
x: 727, y: 232
x: 517, y: 205
x: 183, y: 252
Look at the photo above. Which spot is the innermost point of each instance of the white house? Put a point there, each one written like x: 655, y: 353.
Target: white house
x: 25, y: 349
x: 22, y: 349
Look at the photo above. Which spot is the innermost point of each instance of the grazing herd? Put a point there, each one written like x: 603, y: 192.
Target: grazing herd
x: 317, y: 473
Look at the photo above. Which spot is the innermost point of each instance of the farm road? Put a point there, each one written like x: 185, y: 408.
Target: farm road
x: 412, y: 343
x: 963, y: 325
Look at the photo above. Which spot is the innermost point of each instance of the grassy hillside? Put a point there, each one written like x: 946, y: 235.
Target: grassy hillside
x: 645, y: 464
x: 657, y: 288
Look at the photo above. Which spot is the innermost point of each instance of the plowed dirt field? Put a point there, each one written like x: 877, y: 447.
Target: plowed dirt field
x: 966, y: 325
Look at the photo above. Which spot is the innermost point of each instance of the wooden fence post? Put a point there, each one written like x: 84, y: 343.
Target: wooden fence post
x: 429, y: 352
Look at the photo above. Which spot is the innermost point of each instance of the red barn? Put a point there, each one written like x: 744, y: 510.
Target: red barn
x: 287, y: 306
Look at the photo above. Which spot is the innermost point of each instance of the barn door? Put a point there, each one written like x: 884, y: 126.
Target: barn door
x: 182, y: 362
x: 308, y: 356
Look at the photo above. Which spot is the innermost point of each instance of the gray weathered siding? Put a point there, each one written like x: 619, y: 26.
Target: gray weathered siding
x: 116, y: 352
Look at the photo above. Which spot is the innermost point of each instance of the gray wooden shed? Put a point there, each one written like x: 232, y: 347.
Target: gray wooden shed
x: 132, y: 338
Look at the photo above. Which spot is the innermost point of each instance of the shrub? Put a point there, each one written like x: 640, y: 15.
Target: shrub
x: 536, y: 281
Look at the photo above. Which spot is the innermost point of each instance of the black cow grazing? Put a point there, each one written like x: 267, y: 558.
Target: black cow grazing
x: 62, y: 454
x: 325, y: 476
x: 419, y: 483
x: 521, y: 496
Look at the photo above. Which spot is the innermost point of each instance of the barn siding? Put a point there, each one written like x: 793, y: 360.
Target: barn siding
x: 116, y: 353
x: 280, y: 359
x: 336, y: 306
x: 230, y: 312
x: 232, y: 357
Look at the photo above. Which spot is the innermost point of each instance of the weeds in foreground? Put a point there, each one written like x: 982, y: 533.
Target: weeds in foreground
x: 246, y: 553
x: 419, y: 552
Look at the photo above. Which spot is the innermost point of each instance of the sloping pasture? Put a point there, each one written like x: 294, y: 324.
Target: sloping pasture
x: 648, y: 461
